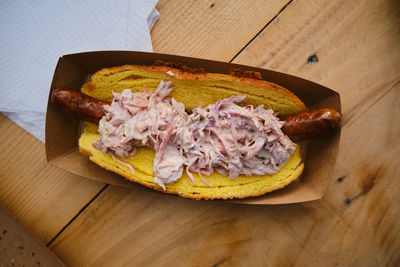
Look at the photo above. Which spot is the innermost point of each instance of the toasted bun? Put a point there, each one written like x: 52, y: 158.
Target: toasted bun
x: 192, y: 88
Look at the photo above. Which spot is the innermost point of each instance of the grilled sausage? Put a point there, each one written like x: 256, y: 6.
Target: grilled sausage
x: 302, y: 126
x: 79, y: 105
x: 311, y: 124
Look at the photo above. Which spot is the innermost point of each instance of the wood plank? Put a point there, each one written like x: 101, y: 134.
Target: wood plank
x: 42, y: 197
x: 358, y: 47
x: 213, y: 29
x: 354, y: 225
x: 136, y: 229
x: 366, y: 198
x: 124, y: 227
x: 363, y: 40
x: 356, y: 43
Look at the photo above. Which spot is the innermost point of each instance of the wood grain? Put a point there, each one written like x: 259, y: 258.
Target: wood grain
x: 138, y: 228
x: 42, y: 197
x: 355, y: 223
x: 356, y: 43
x: 357, y: 46
x: 212, y: 29
x: 153, y: 229
x: 367, y: 196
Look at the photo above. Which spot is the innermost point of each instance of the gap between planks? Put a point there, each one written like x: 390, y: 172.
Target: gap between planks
x: 351, y: 119
x: 262, y: 29
x: 77, y: 215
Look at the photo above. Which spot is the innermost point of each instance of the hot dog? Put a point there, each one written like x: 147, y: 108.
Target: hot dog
x: 299, y: 127
x: 311, y: 124
x: 248, y: 144
x: 79, y: 105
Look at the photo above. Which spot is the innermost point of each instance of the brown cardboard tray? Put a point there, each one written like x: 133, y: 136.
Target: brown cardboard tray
x: 62, y: 131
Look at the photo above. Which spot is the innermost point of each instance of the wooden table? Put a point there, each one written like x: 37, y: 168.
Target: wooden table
x: 357, y: 44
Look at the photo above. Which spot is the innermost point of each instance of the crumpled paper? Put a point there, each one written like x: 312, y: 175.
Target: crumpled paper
x: 34, y: 34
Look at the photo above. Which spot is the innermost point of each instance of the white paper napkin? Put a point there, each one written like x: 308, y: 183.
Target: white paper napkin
x: 34, y: 34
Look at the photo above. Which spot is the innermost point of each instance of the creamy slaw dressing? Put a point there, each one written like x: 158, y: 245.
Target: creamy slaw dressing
x: 222, y: 137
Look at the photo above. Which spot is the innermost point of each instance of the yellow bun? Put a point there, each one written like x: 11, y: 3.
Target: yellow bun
x: 192, y: 88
